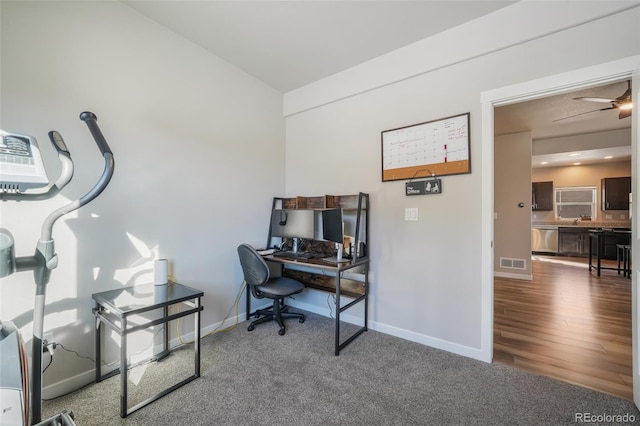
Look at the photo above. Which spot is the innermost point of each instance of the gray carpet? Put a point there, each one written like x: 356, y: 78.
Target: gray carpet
x: 261, y: 378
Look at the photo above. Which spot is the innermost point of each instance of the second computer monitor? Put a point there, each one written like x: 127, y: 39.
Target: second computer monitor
x: 332, y: 225
x: 293, y: 223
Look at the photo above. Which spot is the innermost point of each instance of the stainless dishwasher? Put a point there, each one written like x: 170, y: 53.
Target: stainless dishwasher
x: 544, y: 239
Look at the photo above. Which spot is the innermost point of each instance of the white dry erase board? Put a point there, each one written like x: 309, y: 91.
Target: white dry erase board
x: 433, y: 148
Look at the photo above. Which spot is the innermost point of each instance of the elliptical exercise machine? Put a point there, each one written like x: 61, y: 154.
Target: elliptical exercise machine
x: 23, y: 178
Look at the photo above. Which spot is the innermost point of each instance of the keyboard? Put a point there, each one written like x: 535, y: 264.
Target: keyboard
x: 265, y: 252
x: 292, y: 255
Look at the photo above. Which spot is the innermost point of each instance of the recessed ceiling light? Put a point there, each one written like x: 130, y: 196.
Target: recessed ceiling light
x: 576, y: 164
x: 608, y: 157
x: 544, y: 162
x: 574, y: 154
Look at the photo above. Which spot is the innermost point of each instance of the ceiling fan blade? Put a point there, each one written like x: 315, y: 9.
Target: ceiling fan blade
x: 586, y: 98
x: 625, y: 97
x: 583, y: 113
x: 624, y: 113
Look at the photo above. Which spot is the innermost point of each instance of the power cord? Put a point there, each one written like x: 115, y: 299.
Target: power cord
x: 329, y: 304
x: 216, y: 330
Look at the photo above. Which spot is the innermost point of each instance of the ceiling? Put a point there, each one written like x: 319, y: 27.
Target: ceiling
x: 289, y: 44
x: 539, y: 117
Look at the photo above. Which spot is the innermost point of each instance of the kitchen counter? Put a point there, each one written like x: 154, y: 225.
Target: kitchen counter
x: 582, y: 224
x: 569, y: 239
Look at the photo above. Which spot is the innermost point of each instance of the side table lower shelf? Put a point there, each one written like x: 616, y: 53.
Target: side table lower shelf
x: 113, y: 308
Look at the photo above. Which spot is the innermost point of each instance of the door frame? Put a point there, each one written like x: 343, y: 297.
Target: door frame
x: 553, y: 85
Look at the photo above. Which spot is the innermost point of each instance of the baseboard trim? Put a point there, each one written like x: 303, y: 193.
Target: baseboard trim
x: 433, y: 342
x: 514, y: 276
x: 401, y: 333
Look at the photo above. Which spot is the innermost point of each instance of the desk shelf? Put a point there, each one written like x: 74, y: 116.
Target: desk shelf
x: 347, y: 202
x: 349, y: 288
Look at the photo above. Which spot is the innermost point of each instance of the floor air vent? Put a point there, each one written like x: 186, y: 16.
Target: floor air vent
x: 506, y: 262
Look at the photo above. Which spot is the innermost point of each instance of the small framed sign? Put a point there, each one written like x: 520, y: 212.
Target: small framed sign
x: 423, y: 187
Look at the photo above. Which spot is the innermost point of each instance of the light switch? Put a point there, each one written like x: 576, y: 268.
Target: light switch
x: 411, y: 214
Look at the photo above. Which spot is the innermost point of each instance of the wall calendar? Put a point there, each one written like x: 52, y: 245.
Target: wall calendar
x: 433, y: 148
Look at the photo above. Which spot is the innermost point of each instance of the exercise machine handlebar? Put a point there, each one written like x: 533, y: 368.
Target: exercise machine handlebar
x: 91, y: 120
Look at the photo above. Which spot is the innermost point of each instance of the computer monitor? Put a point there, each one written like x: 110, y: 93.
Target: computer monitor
x: 332, y: 225
x: 292, y: 223
x: 333, y: 230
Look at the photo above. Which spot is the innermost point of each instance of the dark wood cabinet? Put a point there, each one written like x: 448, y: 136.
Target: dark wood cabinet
x: 542, y: 196
x: 615, y: 193
x: 573, y: 241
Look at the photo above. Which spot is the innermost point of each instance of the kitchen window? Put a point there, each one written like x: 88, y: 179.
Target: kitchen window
x: 576, y: 202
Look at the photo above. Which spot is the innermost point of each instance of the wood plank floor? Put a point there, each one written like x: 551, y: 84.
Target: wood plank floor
x: 567, y: 324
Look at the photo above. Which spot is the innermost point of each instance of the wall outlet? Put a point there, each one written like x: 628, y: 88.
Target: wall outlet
x: 608, y: 216
x: 48, y: 337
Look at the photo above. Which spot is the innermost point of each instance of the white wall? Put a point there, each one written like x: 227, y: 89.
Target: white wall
x: 512, y: 186
x: 426, y: 275
x: 199, y: 152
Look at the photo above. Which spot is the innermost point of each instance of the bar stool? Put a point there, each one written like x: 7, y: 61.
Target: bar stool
x: 623, y: 255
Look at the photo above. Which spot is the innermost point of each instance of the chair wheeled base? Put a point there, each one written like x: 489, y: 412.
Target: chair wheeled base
x: 277, y: 313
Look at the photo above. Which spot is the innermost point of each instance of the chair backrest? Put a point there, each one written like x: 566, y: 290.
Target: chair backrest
x: 254, y: 268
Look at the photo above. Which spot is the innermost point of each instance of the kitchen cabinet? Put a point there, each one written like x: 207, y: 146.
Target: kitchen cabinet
x: 573, y: 241
x: 542, y: 196
x: 615, y: 193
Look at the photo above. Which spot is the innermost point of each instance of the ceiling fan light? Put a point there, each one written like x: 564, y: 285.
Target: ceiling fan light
x: 626, y: 106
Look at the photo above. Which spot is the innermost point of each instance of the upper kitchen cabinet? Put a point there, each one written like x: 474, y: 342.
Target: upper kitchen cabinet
x: 542, y: 196
x: 615, y: 193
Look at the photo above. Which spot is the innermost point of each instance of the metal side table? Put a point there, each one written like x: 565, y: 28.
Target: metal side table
x: 114, y: 307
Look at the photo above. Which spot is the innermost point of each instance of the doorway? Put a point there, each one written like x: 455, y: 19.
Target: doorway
x: 597, y: 75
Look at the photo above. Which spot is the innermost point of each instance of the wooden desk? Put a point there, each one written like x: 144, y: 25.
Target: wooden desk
x: 113, y: 308
x: 359, y: 292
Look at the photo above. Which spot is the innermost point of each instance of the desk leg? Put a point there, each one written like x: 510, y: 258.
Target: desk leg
x: 196, y: 333
x: 123, y: 368
x: 97, y: 335
x: 366, y: 297
x: 337, y: 343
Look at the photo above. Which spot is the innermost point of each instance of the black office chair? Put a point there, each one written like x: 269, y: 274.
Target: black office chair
x: 258, y: 279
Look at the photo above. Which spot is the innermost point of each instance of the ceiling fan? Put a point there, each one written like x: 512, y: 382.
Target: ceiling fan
x: 622, y: 102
